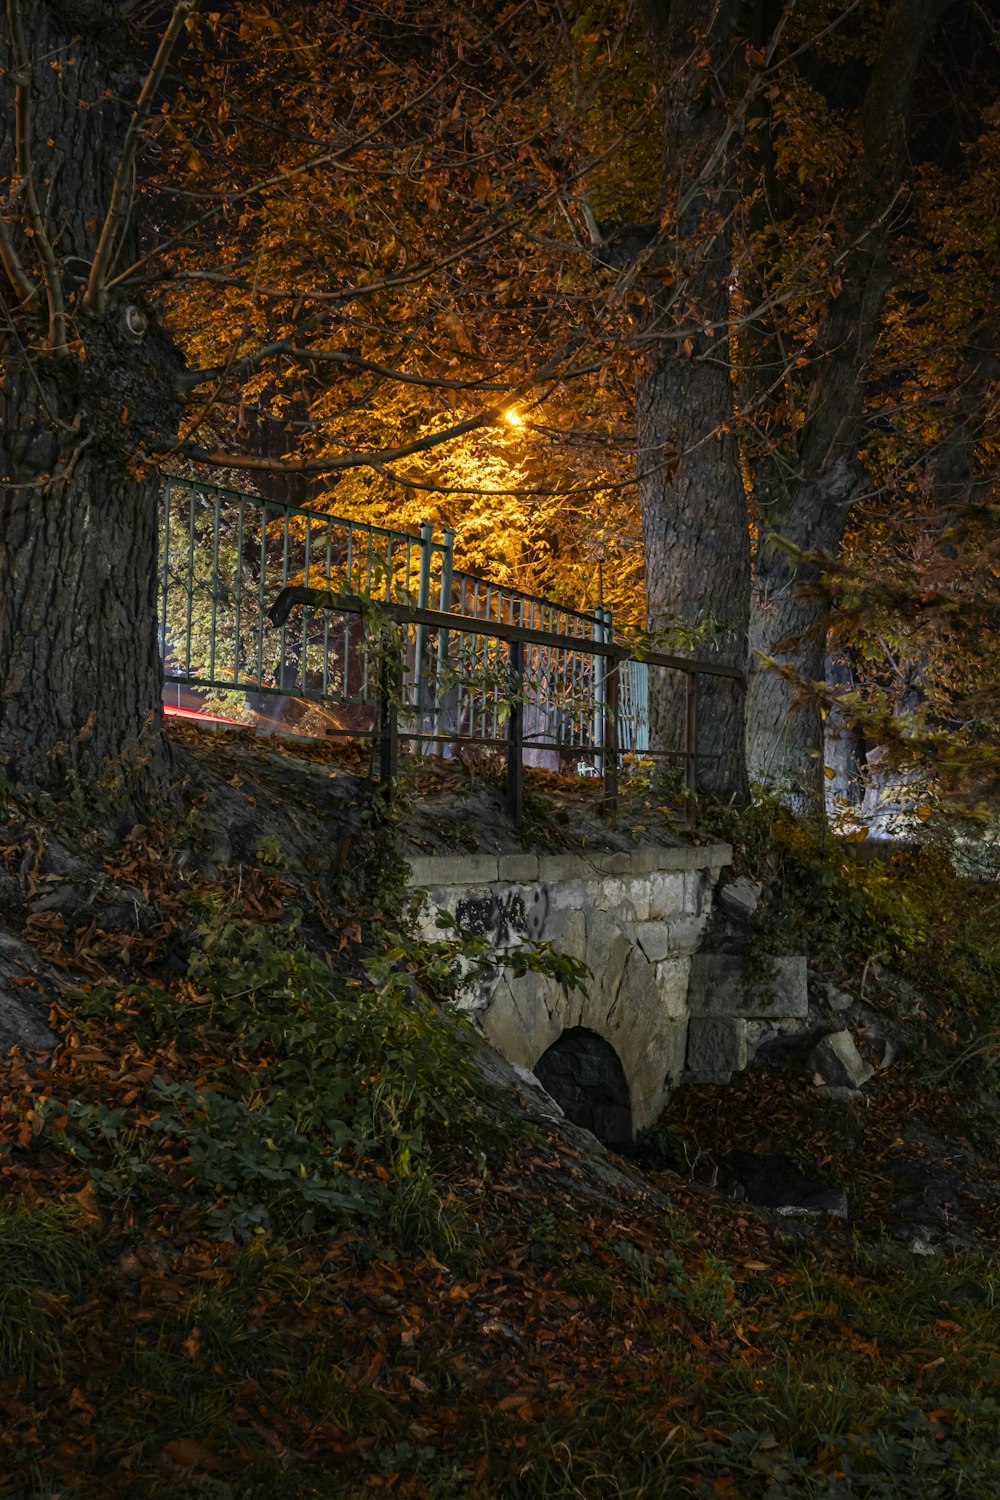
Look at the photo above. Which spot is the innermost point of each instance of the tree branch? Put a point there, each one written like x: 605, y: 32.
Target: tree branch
x: 325, y: 157
x: 379, y: 456
x: 95, y: 297
x: 239, y: 368
x: 25, y: 185
x: 889, y: 96
x: 25, y: 289
x: 532, y: 491
x: 342, y: 460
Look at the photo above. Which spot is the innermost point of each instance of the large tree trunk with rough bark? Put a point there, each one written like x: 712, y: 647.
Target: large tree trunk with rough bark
x: 79, y: 699
x: 86, y: 391
x: 690, y: 489
x: 788, y: 626
x: 803, y: 504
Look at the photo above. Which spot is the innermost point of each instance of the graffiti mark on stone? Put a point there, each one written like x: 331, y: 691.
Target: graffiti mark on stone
x: 501, y: 918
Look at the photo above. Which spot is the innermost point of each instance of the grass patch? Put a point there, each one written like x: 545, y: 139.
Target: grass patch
x: 45, y: 1255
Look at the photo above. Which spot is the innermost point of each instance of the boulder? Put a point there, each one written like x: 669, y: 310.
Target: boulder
x: 837, y: 999
x: 23, y: 1024
x: 831, y: 1204
x: 739, y: 898
x: 838, y: 1062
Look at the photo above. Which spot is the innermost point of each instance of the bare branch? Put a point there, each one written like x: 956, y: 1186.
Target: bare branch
x: 95, y: 297
x: 343, y: 460
x: 239, y: 368
x: 533, y: 491
x: 25, y: 289
x: 325, y: 157
x: 25, y: 186
x: 372, y: 460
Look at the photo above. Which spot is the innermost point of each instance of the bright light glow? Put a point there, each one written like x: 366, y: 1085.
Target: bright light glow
x: 513, y: 417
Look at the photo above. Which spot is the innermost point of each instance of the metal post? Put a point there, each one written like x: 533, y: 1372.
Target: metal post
x: 444, y: 643
x: 447, y: 568
x: 691, y: 743
x: 423, y: 600
x: 515, y: 735
x: 389, y: 679
x: 609, y: 757
x: 600, y: 632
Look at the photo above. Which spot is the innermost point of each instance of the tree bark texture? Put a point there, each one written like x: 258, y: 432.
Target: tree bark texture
x: 807, y: 514
x: 80, y: 675
x: 690, y: 489
x: 808, y: 506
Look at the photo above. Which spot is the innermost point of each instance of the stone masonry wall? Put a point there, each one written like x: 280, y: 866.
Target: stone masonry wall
x: 634, y: 918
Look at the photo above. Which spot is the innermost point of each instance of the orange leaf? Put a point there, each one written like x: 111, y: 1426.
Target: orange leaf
x: 189, y: 1453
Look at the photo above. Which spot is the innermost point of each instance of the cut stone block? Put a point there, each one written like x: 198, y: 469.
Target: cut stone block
x: 654, y: 939
x: 739, y: 897
x: 719, y: 987
x: 686, y: 934
x: 838, y: 1061
x: 519, y: 1024
x: 519, y: 868
x: 452, y: 869
x: 716, y: 1046
x: 672, y: 986
x: 665, y: 894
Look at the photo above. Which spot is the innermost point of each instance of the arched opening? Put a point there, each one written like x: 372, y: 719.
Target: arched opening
x: 584, y: 1076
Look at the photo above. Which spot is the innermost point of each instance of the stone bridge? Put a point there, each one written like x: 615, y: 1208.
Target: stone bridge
x: 610, y: 1053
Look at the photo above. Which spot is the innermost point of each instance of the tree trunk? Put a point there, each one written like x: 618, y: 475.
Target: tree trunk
x: 788, y: 639
x: 697, y: 557
x: 843, y: 741
x: 79, y: 698
x: 809, y: 507
x: 690, y: 489
x: 80, y: 675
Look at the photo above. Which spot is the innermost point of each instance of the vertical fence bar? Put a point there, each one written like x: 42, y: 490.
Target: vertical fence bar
x: 238, y: 587
x: 306, y: 613
x: 261, y: 584
x: 598, y: 673
x: 444, y: 642
x: 609, y: 752
x: 390, y: 674
x: 190, y: 582
x: 283, y: 641
x: 165, y: 565
x: 515, y: 735
x: 326, y: 614
x: 423, y: 600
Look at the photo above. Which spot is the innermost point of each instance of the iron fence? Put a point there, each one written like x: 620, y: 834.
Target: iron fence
x: 224, y: 557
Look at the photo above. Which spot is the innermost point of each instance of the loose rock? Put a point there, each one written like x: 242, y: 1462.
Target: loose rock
x: 838, y: 1061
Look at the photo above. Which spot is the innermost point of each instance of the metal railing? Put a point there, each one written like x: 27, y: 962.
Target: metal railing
x: 269, y: 608
x: 495, y: 663
x: 224, y: 555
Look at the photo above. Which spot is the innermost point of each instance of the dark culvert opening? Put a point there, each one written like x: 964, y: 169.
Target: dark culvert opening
x: 584, y: 1076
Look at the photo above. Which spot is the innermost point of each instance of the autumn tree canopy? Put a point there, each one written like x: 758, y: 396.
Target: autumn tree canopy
x: 543, y: 273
